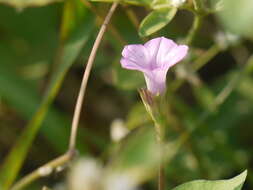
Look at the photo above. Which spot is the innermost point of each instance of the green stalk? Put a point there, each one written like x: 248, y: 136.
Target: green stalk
x: 152, y: 105
x: 194, y: 29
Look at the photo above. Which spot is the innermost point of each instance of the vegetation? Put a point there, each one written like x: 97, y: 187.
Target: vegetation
x: 49, y: 48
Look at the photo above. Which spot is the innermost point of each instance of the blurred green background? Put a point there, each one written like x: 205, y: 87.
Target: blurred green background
x: 43, y: 49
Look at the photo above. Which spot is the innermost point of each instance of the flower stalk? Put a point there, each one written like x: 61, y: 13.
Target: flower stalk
x: 151, y: 104
x: 160, y: 133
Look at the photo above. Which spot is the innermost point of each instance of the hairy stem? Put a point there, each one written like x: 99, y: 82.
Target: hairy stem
x: 79, y: 103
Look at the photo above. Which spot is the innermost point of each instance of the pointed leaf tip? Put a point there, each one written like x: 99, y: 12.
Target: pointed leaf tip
x: 234, y: 183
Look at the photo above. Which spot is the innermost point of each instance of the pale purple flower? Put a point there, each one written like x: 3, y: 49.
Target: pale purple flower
x: 154, y: 58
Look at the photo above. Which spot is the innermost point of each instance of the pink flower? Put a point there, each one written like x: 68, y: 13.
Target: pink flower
x: 154, y: 58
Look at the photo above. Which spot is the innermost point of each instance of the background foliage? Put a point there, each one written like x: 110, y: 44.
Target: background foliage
x: 44, y: 45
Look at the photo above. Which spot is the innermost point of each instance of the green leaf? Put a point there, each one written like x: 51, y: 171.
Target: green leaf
x: 236, y: 17
x: 235, y: 183
x: 73, y: 45
x: 156, y: 20
x: 21, y: 4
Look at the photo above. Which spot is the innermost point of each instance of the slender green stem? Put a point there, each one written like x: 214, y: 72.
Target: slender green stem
x: 194, y: 29
x: 160, y: 136
x: 160, y: 127
x: 152, y: 105
x: 189, y: 39
x: 206, y: 57
x: 160, y: 140
x: 197, y: 22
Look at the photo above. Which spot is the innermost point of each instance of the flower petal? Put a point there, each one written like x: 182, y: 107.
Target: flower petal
x: 156, y: 81
x: 154, y: 58
x: 164, y: 52
x: 135, y: 57
x: 174, y: 56
x: 158, y: 48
